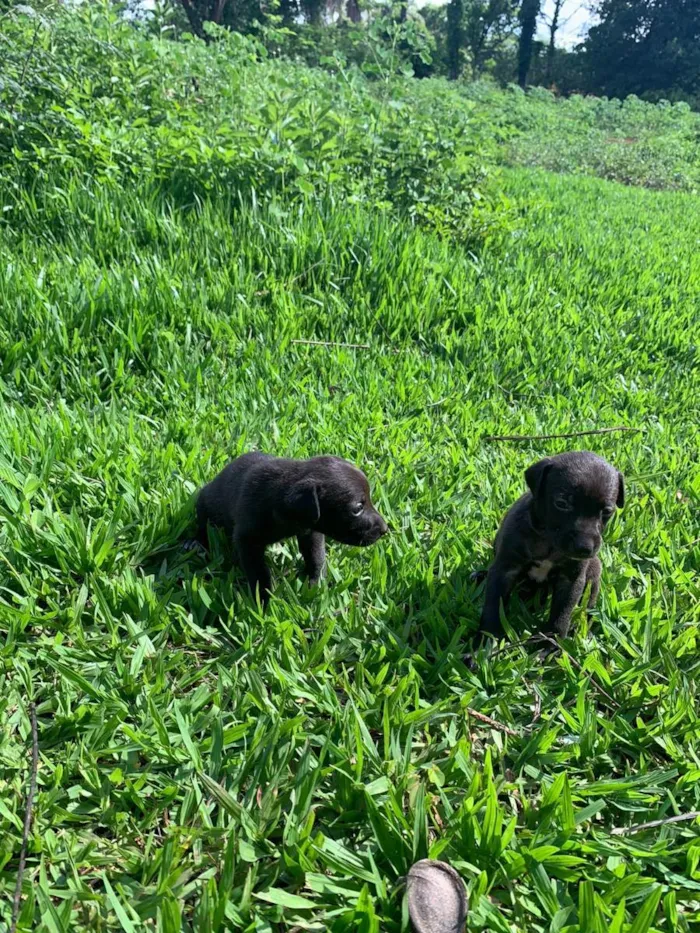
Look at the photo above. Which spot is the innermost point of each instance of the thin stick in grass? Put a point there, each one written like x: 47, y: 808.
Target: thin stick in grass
x: 482, y: 717
x: 552, y: 437
x: 28, y: 813
x: 681, y: 818
x: 333, y: 343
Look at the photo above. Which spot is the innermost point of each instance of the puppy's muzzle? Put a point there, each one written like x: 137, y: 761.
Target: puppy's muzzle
x: 584, y: 549
x: 376, y: 531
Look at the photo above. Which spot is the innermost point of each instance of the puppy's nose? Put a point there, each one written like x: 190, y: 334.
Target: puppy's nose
x: 585, y: 549
x: 383, y: 527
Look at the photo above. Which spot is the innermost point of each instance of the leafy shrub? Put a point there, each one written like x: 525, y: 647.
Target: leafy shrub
x: 379, y: 47
x: 630, y: 141
x: 91, y: 97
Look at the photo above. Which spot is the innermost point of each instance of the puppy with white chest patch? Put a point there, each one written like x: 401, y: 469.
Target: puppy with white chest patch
x: 552, y: 535
x: 260, y: 499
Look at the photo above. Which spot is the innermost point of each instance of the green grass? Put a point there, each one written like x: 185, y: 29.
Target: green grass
x: 207, y: 768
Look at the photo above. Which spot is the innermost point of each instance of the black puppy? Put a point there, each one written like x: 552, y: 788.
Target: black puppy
x: 260, y: 499
x: 552, y: 536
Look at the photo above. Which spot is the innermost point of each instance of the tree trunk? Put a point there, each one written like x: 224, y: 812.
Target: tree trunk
x: 313, y: 10
x: 353, y: 11
x: 454, y: 38
x: 193, y: 18
x: 529, y: 11
x: 288, y: 10
x: 553, y: 26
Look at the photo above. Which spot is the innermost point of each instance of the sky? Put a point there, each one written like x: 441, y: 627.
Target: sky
x: 574, y: 19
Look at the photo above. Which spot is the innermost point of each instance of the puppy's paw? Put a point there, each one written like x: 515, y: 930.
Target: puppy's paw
x: 470, y: 661
x: 550, y: 648
x: 482, y: 651
x: 192, y: 544
x: 312, y: 578
x: 478, y: 576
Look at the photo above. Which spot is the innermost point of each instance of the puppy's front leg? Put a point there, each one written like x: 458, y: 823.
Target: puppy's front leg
x: 312, y: 545
x: 251, y: 554
x: 200, y: 541
x: 566, y: 596
x: 499, y: 583
x: 595, y: 569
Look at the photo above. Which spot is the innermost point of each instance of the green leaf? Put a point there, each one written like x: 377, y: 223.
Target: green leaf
x: 230, y: 805
x: 186, y: 737
x: 284, y: 899
x: 647, y: 914
x: 122, y: 916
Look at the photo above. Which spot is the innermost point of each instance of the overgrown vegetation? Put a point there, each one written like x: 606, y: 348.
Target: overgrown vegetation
x: 650, y: 47
x: 175, y: 218
x: 107, y: 105
x: 630, y: 141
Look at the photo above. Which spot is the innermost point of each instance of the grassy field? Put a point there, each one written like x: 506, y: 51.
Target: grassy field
x: 204, y: 767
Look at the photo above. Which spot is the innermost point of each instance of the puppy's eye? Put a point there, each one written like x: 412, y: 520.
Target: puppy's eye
x: 358, y: 508
x: 563, y: 504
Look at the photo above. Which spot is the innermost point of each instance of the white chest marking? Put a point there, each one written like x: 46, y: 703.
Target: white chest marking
x: 540, y: 570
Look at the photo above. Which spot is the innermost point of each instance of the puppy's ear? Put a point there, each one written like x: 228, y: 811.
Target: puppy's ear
x: 301, y: 502
x: 535, y: 477
x: 620, y: 490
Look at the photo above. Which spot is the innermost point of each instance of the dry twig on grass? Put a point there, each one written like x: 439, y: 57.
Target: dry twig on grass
x: 29, y: 810
x: 593, y: 682
x: 482, y: 717
x: 333, y: 343
x: 552, y: 437
x: 682, y: 818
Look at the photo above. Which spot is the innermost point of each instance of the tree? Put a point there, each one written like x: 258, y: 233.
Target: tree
x: 194, y: 13
x: 455, y: 12
x: 551, y: 48
x: 236, y: 14
x: 529, y: 11
x: 649, y: 47
x: 353, y: 11
x: 487, y: 26
x: 313, y: 11
x: 288, y: 10
x: 486, y: 29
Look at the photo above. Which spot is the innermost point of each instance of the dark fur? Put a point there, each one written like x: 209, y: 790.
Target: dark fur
x: 259, y: 500
x: 540, y: 539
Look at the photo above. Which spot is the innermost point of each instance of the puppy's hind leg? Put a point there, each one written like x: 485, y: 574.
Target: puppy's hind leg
x: 313, y: 550
x: 499, y: 583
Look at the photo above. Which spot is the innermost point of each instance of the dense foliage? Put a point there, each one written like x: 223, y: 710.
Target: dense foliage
x: 647, y: 47
x: 631, y: 141
x: 90, y: 97
x: 650, y: 48
x: 179, y: 219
